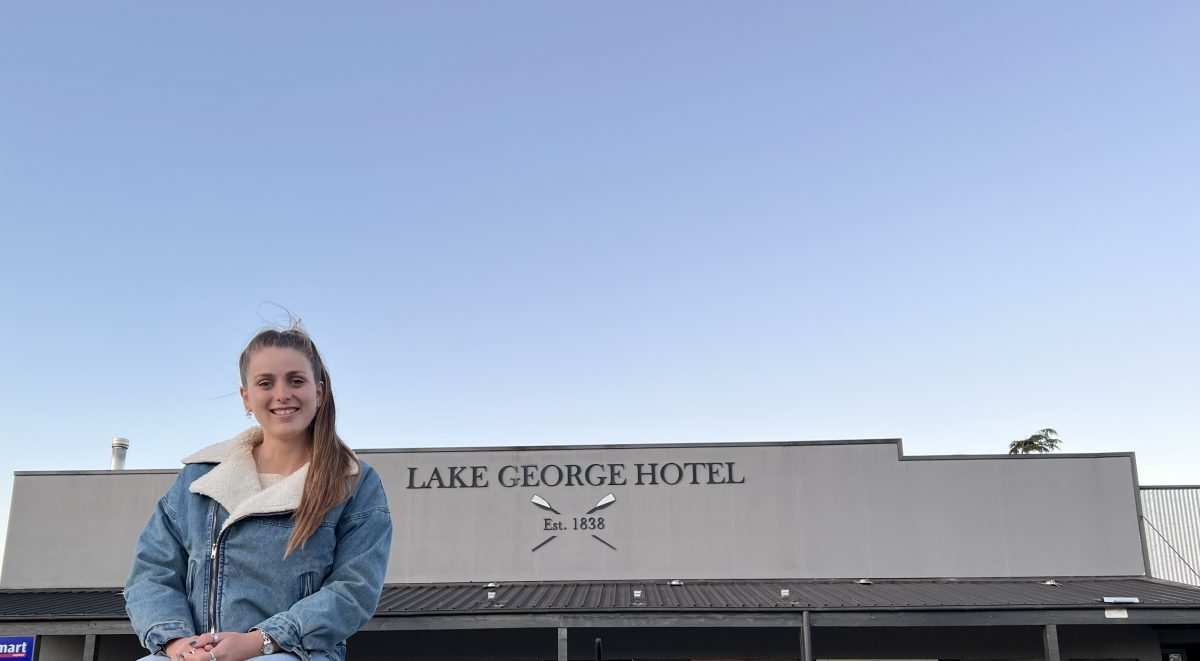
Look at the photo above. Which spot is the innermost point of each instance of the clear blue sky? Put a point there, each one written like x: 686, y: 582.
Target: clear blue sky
x: 527, y: 223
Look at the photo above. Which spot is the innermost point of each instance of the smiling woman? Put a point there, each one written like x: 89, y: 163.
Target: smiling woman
x: 308, y: 578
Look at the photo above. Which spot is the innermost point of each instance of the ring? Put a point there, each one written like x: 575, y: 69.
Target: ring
x: 213, y: 655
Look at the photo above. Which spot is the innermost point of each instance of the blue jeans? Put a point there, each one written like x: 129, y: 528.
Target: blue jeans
x: 278, y: 656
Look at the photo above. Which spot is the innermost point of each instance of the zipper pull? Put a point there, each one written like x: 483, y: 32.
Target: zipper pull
x: 213, y: 555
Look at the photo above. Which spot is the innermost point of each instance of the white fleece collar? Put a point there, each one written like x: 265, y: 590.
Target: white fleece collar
x: 234, y: 482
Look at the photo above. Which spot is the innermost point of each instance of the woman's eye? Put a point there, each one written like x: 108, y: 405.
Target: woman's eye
x: 297, y: 382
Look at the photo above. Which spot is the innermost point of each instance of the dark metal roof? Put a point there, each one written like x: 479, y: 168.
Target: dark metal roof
x: 54, y: 604
x: 400, y: 600
x: 731, y: 595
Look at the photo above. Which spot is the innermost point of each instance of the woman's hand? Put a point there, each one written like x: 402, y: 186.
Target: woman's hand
x: 220, y: 646
x: 233, y: 646
x: 182, y: 649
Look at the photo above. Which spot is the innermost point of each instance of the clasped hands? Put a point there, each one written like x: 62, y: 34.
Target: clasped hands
x: 220, y: 646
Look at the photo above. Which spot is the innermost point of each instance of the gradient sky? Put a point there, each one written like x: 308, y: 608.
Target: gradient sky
x: 520, y: 223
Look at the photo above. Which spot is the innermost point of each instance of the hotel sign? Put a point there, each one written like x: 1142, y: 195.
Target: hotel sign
x: 589, y: 521
x: 668, y: 473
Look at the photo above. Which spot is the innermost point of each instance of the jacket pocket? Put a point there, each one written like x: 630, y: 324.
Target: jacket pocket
x: 308, y: 583
x: 190, y: 579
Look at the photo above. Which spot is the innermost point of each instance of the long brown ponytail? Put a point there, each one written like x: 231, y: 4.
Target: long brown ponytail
x: 327, y: 482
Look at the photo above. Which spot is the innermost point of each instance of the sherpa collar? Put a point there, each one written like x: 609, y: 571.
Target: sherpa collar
x: 234, y: 483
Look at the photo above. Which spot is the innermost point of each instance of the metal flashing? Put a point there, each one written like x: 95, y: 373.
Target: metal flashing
x: 126, y: 471
x: 1137, y: 499
x: 629, y: 446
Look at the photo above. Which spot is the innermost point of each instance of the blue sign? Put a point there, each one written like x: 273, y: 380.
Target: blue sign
x: 16, y: 649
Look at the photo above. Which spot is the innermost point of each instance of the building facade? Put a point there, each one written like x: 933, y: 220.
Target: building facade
x: 812, y: 550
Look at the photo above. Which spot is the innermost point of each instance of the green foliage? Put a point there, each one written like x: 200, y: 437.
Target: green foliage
x: 1045, y: 440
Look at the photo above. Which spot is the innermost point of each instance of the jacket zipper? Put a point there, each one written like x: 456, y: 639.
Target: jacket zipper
x: 212, y: 593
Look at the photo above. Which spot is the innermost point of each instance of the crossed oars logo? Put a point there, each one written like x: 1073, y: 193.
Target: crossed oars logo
x: 600, y: 504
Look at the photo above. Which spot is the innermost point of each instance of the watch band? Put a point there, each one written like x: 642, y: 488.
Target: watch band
x: 269, y: 646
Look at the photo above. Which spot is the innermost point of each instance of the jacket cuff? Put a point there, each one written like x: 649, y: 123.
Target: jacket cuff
x: 160, y: 634
x: 286, y: 634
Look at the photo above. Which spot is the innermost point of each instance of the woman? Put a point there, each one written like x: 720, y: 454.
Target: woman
x: 273, y: 542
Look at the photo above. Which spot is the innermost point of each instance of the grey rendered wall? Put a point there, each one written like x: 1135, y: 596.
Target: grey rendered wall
x: 77, y: 530
x: 845, y: 510
x: 738, y: 511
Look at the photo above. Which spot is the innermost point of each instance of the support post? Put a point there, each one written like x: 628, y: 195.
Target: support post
x: 91, y: 647
x: 1050, y: 642
x: 562, y: 644
x: 806, y: 637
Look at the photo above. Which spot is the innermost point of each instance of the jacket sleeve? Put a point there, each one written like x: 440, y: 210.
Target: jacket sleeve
x: 155, y: 596
x: 350, y: 594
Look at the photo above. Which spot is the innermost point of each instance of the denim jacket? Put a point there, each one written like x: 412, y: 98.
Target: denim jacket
x: 211, y: 557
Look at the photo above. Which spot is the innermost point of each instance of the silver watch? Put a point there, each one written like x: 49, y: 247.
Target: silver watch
x: 268, y: 644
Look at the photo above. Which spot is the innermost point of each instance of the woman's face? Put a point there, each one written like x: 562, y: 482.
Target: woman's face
x: 282, y: 392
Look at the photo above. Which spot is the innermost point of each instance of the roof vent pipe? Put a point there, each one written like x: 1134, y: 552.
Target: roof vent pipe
x: 120, y: 446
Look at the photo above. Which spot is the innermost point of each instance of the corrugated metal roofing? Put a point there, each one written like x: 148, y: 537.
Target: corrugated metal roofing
x: 767, y: 595
x: 691, y: 596
x: 47, y: 604
x: 1172, y: 525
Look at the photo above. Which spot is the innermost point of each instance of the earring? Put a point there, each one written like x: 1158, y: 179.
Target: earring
x: 249, y: 413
